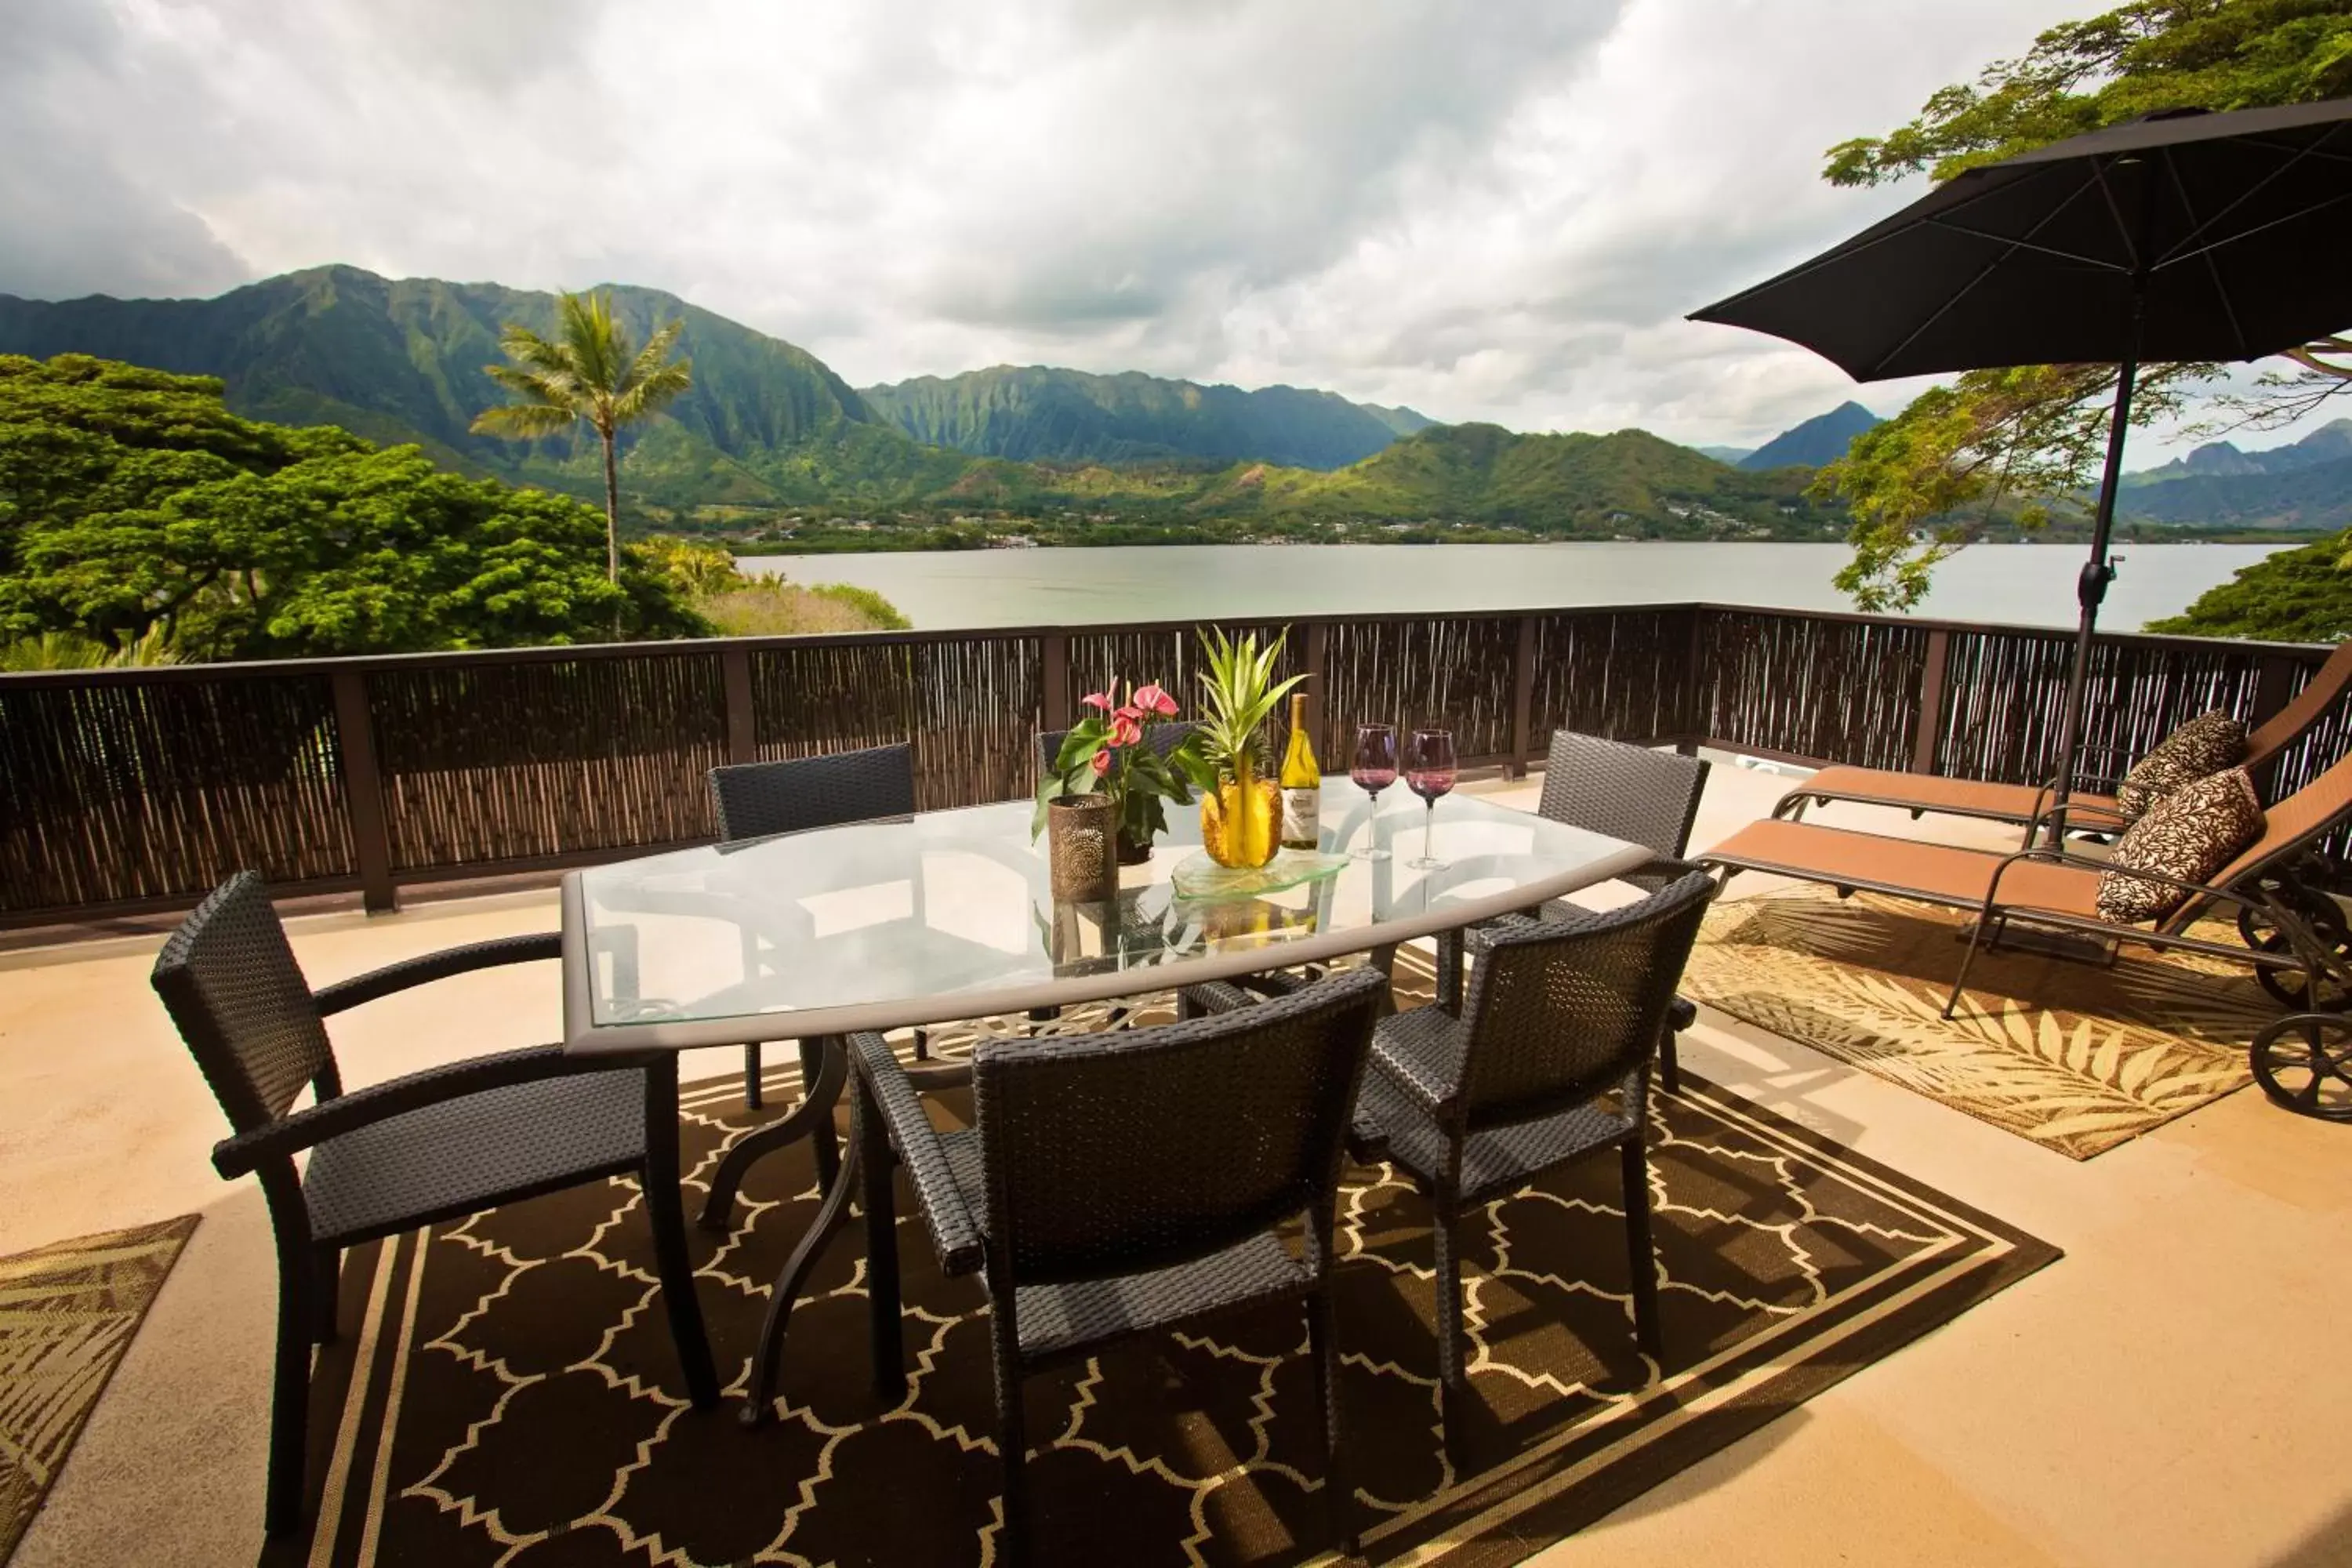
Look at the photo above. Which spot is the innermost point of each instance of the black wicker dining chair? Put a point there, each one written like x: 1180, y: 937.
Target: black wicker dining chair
x: 434, y: 1145
x: 1562, y: 1013
x: 1123, y: 1183
x: 1632, y: 793
x: 753, y: 800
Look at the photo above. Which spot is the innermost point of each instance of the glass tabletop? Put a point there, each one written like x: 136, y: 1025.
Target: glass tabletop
x: 950, y: 915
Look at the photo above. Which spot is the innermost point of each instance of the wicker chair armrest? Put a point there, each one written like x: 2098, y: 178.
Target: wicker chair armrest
x: 1411, y: 1076
x: 315, y: 1124
x: 449, y: 960
x: 955, y: 1233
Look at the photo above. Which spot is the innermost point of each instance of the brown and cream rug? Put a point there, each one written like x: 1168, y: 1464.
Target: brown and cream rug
x: 512, y: 1397
x: 68, y: 1312
x: 2076, y: 1057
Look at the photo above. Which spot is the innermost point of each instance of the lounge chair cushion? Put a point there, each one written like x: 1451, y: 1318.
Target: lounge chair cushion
x: 2189, y: 833
x: 2198, y: 750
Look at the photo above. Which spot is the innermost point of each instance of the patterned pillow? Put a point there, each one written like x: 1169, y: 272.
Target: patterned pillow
x: 2190, y: 834
x: 2198, y: 749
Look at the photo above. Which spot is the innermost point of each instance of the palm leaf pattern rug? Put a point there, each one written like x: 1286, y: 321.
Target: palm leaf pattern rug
x: 2076, y: 1057
x: 67, y: 1314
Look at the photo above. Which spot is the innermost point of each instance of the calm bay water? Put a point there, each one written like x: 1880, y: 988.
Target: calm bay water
x: 2030, y: 584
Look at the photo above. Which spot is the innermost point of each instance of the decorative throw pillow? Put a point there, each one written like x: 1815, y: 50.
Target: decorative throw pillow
x: 2198, y: 750
x: 2190, y: 834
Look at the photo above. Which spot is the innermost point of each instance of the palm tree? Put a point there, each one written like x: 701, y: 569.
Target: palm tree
x: 585, y: 372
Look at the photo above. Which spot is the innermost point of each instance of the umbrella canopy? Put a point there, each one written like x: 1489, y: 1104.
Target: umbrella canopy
x: 2183, y: 235
x: 2230, y: 235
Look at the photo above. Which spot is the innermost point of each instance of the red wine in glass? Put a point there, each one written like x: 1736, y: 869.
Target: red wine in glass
x: 1374, y: 768
x: 1429, y: 770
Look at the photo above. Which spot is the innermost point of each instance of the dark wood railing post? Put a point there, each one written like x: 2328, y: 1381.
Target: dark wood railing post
x: 1695, y: 720
x: 1054, y: 648
x: 735, y: 679
x: 364, y: 791
x: 1927, y: 724
x: 1523, y: 697
x: 1314, y: 661
x: 2274, y: 686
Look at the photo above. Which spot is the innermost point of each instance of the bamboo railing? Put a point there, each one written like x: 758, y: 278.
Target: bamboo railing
x: 131, y: 790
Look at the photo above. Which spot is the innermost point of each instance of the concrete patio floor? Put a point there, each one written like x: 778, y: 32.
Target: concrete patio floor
x: 2175, y: 1391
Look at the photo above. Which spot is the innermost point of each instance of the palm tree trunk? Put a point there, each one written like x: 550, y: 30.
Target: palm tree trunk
x: 612, y: 513
x: 611, y: 526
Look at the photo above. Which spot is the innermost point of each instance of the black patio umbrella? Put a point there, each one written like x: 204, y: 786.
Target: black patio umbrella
x: 2184, y: 236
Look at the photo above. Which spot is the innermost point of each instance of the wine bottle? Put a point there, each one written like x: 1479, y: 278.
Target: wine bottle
x: 1302, y: 784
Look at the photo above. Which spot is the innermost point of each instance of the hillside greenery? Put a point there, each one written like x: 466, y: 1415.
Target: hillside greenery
x: 2295, y: 595
x: 135, y: 508
x: 1033, y: 413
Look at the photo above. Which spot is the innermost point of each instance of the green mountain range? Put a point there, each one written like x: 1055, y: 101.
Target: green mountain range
x: 1034, y: 414
x: 770, y: 432
x: 1820, y: 439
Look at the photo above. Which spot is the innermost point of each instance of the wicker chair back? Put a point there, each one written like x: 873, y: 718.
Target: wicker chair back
x: 1560, y: 1009
x: 1111, y: 1155
x: 756, y: 799
x: 1632, y: 793
x: 229, y: 980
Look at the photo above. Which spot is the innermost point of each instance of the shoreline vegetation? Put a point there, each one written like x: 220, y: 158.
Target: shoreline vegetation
x: 889, y: 536
x: 141, y: 522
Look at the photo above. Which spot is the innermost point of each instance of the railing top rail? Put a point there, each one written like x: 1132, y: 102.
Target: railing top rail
x: 684, y: 647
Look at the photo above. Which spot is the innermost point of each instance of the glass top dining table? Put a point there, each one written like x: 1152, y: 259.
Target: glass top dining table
x: 949, y: 914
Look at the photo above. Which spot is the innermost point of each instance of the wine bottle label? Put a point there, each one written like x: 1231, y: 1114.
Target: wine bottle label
x: 1302, y: 815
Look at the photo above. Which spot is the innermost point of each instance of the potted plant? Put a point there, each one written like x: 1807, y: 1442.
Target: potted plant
x: 1105, y: 755
x: 1240, y: 807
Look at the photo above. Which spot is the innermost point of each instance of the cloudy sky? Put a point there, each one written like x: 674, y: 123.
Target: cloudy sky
x: 1488, y: 211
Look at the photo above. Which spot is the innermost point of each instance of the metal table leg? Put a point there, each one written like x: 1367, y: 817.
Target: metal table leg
x: 786, y: 1291
x: 812, y: 1117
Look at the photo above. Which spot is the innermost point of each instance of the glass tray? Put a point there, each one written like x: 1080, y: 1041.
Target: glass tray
x: 1200, y: 880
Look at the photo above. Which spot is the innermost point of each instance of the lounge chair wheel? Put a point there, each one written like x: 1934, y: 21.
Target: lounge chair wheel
x: 2258, y: 931
x: 2303, y: 1062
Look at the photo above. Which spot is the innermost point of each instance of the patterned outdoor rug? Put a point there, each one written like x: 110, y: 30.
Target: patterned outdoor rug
x: 67, y: 1314
x: 514, y: 1399
x: 2076, y: 1057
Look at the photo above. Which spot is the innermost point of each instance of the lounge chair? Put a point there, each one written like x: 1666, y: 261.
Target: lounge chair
x: 2291, y: 930
x: 2028, y: 804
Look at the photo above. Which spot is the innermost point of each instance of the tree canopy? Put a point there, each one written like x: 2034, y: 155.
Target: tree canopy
x: 2025, y: 442
x: 133, y: 504
x: 2303, y: 594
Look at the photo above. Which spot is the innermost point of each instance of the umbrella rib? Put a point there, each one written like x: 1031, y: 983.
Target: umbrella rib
x: 2246, y: 234
x: 2015, y: 245
x: 2212, y: 269
x: 1859, y: 244
x: 2123, y: 230
x: 1961, y: 293
x: 2178, y: 252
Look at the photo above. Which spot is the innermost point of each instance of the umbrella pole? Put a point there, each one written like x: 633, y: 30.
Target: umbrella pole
x: 2091, y: 586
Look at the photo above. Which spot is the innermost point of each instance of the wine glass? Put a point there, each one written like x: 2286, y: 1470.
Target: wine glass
x: 1374, y: 768
x: 1429, y: 770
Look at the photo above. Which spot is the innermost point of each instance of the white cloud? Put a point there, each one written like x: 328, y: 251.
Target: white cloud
x: 1497, y: 211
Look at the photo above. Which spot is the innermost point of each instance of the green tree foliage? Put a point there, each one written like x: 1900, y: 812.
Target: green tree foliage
x: 1996, y: 444
x: 2296, y: 595
x: 588, y: 373
x: 2018, y: 436
x: 134, y: 505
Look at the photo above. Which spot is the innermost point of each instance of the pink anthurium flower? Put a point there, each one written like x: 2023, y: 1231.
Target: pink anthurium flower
x: 1126, y: 729
x: 1152, y: 699
x: 1099, y: 700
x: 1102, y: 762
